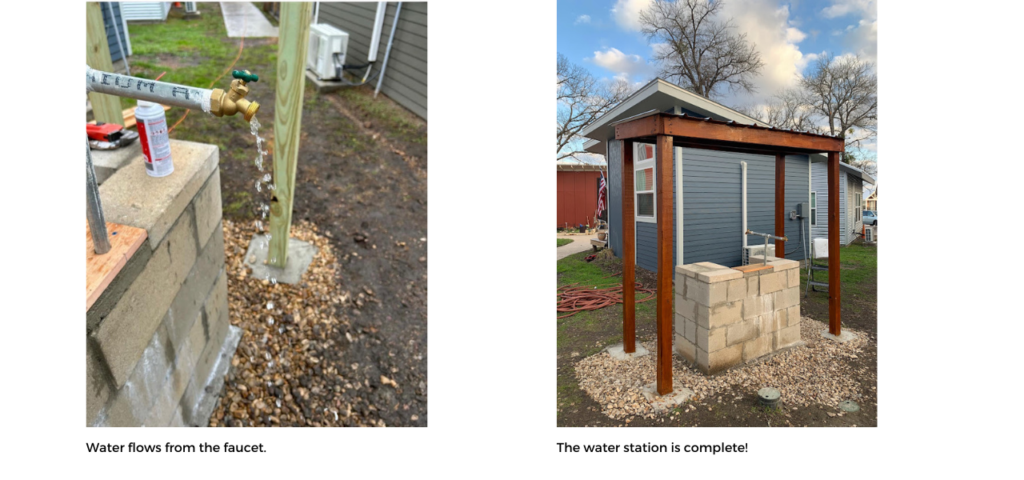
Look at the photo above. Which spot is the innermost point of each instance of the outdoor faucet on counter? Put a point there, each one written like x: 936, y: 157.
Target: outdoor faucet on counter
x: 216, y: 102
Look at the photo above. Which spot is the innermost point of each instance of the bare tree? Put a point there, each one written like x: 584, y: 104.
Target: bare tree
x: 789, y: 109
x: 581, y: 100
x: 701, y: 53
x: 844, y: 91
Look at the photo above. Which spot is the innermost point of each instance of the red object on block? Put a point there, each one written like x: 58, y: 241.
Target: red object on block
x: 107, y: 132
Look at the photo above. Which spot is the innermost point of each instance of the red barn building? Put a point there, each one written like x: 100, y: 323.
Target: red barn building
x: 577, y: 193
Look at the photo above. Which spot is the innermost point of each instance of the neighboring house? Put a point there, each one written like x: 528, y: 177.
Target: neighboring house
x: 148, y: 11
x: 872, y: 201
x: 851, y: 203
x: 577, y: 190
x: 405, y: 78
x: 711, y: 182
x: 115, y: 25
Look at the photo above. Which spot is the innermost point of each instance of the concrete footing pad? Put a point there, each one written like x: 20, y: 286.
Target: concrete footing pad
x: 662, y: 403
x: 325, y: 86
x: 300, y: 255
x: 618, y: 352
x: 844, y: 336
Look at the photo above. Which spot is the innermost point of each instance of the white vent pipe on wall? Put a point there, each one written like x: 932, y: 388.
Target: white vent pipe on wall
x: 743, y: 168
x: 387, y: 53
x: 679, y: 205
x: 378, y: 26
x: 316, y: 13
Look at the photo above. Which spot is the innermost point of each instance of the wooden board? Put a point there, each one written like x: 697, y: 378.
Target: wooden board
x: 753, y: 268
x: 100, y: 270
x: 129, y: 117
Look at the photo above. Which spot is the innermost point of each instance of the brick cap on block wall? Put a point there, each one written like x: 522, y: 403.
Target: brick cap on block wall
x: 131, y: 197
x: 779, y: 264
x: 708, y: 272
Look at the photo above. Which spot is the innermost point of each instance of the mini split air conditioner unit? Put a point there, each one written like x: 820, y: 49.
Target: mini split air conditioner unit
x: 757, y: 251
x: 327, y: 48
x: 870, y: 234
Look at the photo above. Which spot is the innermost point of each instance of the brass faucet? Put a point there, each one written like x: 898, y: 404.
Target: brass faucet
x: 229, y: 103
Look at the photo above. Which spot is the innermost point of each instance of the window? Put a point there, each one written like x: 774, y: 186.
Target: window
x: 860, y: 207
x: 644, y: 176
x: 814, y: 208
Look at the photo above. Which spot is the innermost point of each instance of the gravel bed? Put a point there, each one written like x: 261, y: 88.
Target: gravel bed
x: 287, y: 370
x: 818, y: 373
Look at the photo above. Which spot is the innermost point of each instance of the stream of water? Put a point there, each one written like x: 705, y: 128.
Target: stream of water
x: 264, y: 179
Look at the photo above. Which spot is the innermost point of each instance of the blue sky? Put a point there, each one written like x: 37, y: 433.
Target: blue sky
x: 603, y: 36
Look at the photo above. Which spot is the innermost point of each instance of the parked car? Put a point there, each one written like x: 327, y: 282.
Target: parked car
x: 870, y: 217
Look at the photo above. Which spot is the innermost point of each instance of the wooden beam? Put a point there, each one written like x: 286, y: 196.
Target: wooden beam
x: 666, y: 230
x: 834, y: 320
x: 100, y: 270
x: 693, y: 128
x: 105, y: 108
x: 641, y: 127
x: 780, y: 204
x: 291, y: 64
x: 628, y: 251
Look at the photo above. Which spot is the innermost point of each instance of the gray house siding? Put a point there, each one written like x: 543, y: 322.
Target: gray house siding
x: 405, y: 80
x: 146, y: 10
x: 112, y: 24
x: 819, y: 181
x: 712, y: 206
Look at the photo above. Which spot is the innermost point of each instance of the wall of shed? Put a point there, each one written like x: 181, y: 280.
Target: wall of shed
x: 577, y: 197
x: 405, y: 80
x: 115, y: 23
x: 819, y: 183
x: 146, y: 10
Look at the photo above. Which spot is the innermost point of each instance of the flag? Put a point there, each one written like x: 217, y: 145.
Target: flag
x: 600, y: 195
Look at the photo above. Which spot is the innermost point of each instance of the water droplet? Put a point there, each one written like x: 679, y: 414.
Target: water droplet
x: 278, y: 403
x: 273, y: 281
x: 259, y: 226
x: 258, y: 187
x: 270, y: 305
x: 271, y: 187
x: 266, y: 178
x: 270, y: 320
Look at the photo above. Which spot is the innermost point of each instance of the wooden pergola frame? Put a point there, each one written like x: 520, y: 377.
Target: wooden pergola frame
x: 667, y: 130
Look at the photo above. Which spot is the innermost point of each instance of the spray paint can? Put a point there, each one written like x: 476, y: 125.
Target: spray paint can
x: 156, y: 145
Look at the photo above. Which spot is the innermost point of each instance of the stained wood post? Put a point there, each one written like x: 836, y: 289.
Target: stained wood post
x: 780, y: 204
x: 834, y: 321
x: 105, y: 108
x: 628, y: 250
x: 666, y: 231
x: 291, y: 62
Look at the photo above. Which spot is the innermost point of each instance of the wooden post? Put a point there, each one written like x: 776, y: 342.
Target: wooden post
x: 666, y: 230
x: 291, y: 64
x: 780, y: 204
x: 628, y: 250
x: 834, y: 320
x: 105, y: 108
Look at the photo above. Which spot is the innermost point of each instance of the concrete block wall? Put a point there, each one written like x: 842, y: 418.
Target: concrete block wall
x: 158, y: 338
x: 724, y: 317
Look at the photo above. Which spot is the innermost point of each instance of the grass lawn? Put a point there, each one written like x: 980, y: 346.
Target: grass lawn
x: 564, y: 241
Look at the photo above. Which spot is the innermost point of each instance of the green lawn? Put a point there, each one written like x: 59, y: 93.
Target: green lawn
x: 564, y: 241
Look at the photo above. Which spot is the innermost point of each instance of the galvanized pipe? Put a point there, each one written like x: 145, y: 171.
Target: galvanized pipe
x: 94, y: 210
x: 387, y: 53
x: 149, y: 90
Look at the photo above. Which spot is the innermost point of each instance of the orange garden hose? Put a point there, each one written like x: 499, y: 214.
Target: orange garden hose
x: 575, y: 298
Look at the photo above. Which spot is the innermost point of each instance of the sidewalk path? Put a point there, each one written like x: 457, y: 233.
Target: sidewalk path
x: 237, y: 14
x: 579, y: 244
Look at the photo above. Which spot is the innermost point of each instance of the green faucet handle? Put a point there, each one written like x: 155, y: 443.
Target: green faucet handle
x: 245, y: 76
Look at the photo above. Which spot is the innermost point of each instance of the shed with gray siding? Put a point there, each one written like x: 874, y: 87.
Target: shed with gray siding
x: 115, y: 25
x: 712, y: 183
x: 851, y: 183
x: 146, y: 11
x: 405, y: 80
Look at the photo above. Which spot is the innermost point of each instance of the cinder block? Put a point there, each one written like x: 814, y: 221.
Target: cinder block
x: 782, y: 264
x: 724, y: 274
x: 98, y: 384
x: 787, y: 298
x: 726, y: 314
x: 707, y: 294
x: 167, y: 401
x: 686, y: 307
x: 786, y: 337
x: 150, y: 374
x: 686, y: 349
x: 195, y: 290
x: 716, y: 339
x: 722, y: 359
x: 793, y: 278
x: 739, y: 333
x: 120, y: 412
x: 124, y: 334
x: 217, y: 328
x: 793, y: 315
x: 208, y: 209
x: 753, y: 286
x: 702, y: 338
x: 106, y: 162
x: 757, y: 347
x: 197, y: 336
x: 737, y: 289
x: 771, y: 321
x: 176, y: 420
x: 131, y: 197
x: 690, y: 330
x: 756, y: 306
x: 771, y: 283
x: 103, y: 305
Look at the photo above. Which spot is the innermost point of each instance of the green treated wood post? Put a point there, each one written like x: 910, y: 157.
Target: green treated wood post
x: 105, y: 108
x: 291, y: 80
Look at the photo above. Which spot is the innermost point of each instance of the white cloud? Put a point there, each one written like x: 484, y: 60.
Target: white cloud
x: 839, y: 8
x: 627, y: 13
x: 582, y: 19
x: 627, y: 67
